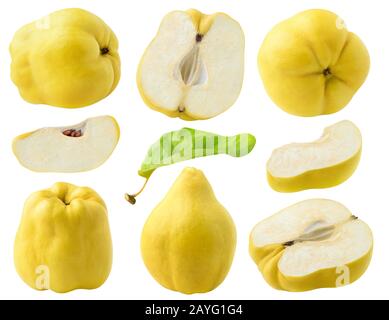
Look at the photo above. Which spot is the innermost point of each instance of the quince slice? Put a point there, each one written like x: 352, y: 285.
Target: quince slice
x: 77, y: 148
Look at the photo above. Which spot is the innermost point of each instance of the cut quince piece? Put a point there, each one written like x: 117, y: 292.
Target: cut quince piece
x: 313, y: 244
x: 324, y: 163
x: 68, y: 59
x: 77, y: 148
x: 193, y: 69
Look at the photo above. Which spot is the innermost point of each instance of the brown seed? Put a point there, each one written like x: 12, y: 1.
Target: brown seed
x: 68, y: 132
x: 73, y: 133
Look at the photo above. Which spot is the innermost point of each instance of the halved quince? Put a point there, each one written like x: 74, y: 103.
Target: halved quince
x: 77, y: 148
x: 324, y: 163
x: 193, y: 69
x: 313, y: 244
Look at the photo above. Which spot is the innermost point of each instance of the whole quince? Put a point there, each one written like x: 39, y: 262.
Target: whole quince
x: 188, y: 242
x: 64, y: 241
x: 68, y: 59
x: 311, y: 64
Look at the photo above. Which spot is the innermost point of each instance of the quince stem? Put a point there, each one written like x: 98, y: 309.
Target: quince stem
x: 131, y: 198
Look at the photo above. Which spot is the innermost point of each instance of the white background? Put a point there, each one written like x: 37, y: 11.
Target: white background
x: 240, y: 184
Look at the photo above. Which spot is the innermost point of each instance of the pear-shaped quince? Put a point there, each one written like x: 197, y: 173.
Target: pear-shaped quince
x: 64, y: 241
x: 188, y: 242
x: 68, y: 59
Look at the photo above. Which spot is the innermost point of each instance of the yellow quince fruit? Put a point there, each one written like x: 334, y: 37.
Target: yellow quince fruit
x: 68, y: 59
x: 188, y: 242
x: 64, y: 241
x: 311, y: 64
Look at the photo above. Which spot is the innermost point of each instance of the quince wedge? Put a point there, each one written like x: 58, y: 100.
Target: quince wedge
x: 64, y: 241
x: 68, y: 59
x: 324, y: 163
x: 311, y: 64
x: 77, y: 148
